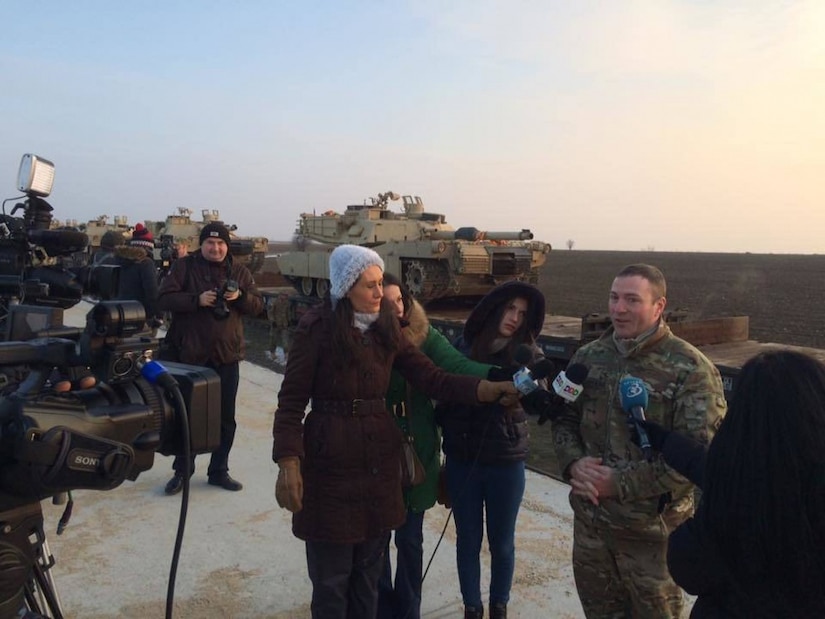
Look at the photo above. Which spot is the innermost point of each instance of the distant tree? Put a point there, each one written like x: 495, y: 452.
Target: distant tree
x: 570, y: 243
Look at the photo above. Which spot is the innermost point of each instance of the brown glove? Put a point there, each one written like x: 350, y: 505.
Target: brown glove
x: 488, y: 391
x: 289, y: 489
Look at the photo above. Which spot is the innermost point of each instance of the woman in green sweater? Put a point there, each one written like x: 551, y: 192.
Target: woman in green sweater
x: 414, y: 414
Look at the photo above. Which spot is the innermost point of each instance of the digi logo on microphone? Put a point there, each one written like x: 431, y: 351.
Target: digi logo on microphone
x: 566, y: 389
x: 572, y: 390
x: 634, y: 388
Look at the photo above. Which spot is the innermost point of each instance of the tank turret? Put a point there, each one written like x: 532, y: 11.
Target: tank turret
x: 180, y: 229
x: 95, y: 229
x: 434, y: 260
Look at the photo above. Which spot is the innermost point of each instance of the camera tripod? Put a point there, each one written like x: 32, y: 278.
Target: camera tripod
x: 27, y: 588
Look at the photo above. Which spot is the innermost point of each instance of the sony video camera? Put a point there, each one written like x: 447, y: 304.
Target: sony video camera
x: 51, y: 440
x: 94, y: 438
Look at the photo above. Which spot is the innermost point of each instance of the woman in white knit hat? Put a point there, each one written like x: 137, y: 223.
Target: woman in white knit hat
x: 339, y: 467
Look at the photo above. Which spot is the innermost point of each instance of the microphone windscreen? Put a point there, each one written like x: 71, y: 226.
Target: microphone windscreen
x: 633, y: 393
x: 542, y: 369
x: 523, y: 355
x: 577, y: 373
x: 59, y: 242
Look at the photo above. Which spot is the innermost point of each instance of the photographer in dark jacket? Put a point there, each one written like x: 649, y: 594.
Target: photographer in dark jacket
x: 208, y: 295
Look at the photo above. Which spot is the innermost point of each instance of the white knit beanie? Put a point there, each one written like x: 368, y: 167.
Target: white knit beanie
x: 346, y: 263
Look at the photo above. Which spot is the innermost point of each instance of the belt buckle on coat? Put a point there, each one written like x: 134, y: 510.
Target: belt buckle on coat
x: 355, y: 404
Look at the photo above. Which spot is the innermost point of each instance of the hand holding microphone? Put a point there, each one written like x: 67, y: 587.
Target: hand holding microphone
x: 634, y: 401
x: 536, y: 400
x: 526, y: 378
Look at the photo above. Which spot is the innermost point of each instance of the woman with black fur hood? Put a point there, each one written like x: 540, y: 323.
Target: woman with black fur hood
x: 486, y: 447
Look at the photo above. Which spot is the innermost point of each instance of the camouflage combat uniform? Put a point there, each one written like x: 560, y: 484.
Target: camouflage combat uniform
x: 278, y: 315
x: 619, y: 549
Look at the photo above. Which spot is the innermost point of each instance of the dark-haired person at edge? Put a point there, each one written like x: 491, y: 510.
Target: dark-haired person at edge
x: 339, y: 468
x: 138, y: 276
x: 486, y: 447
x: 110, y: 241
x: 624, y: 506
x: 755, y: 548
x: 401, y: 598
x: 207, y: 337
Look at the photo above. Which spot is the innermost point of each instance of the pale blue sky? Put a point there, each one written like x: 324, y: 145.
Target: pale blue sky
x: 682, y: 126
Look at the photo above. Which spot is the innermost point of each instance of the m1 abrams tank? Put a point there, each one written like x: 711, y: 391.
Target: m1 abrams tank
x: 95, y: 229
x: 181, y: 229
x: 434, y: 260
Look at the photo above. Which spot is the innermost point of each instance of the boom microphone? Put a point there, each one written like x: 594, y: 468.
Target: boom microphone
x: 634, y: 401
x: 59, y: 242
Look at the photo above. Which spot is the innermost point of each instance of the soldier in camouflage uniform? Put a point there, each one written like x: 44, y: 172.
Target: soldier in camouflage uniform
x: 625, y: 507
x: 279, y: 337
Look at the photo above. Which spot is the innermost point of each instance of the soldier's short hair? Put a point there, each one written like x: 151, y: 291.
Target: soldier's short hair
x: 650, y: 273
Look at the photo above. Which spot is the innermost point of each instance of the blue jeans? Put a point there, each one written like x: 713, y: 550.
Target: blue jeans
x: 403, y: 601
x: 498, y: 490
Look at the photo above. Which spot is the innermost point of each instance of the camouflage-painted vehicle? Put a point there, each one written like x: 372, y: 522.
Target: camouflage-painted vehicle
x: 180, y: 229
x: 97, y: 228
x: 435, y: 260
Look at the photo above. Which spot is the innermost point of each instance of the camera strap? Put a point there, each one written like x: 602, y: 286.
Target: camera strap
x: 64, y: 459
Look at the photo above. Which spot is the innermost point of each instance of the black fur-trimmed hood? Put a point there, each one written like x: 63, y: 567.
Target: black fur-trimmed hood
x: 504, y: 292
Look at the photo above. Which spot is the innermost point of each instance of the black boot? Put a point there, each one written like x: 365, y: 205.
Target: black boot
x: 470, y: 612
x: 498, y: 611
x: 174, y: 485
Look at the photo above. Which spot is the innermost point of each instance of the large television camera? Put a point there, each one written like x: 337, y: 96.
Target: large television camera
x: 94, y: 438
x: 86, y: 437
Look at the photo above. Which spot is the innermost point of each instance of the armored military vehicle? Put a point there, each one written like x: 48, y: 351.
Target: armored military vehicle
x: 434, y: 260
x: 97, y: 228
x: 180, y: 229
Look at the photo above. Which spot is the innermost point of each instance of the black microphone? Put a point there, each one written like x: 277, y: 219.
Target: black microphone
x: 524, y: 354
x: 59, y: 242
x: 634, y: 401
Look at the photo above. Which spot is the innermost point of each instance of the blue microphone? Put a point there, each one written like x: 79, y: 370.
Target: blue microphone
x: 634, y: 401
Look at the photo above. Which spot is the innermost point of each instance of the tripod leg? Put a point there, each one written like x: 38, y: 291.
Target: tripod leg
x: 23, y: 545
x: 43, y: 579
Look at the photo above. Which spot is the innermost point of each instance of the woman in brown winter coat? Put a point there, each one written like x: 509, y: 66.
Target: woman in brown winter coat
x: 339, y: 468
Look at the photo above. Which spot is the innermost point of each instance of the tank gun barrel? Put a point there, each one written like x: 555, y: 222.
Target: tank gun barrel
x: 474, y: 234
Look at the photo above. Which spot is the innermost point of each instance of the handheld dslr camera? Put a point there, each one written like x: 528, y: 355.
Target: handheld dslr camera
x: 53, y: 441
x: 220, y: 308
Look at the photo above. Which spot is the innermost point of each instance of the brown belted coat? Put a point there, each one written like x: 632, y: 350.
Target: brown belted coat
x: 349, y: 444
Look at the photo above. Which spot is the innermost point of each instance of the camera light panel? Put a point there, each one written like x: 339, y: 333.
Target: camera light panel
x: 36, y: 176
